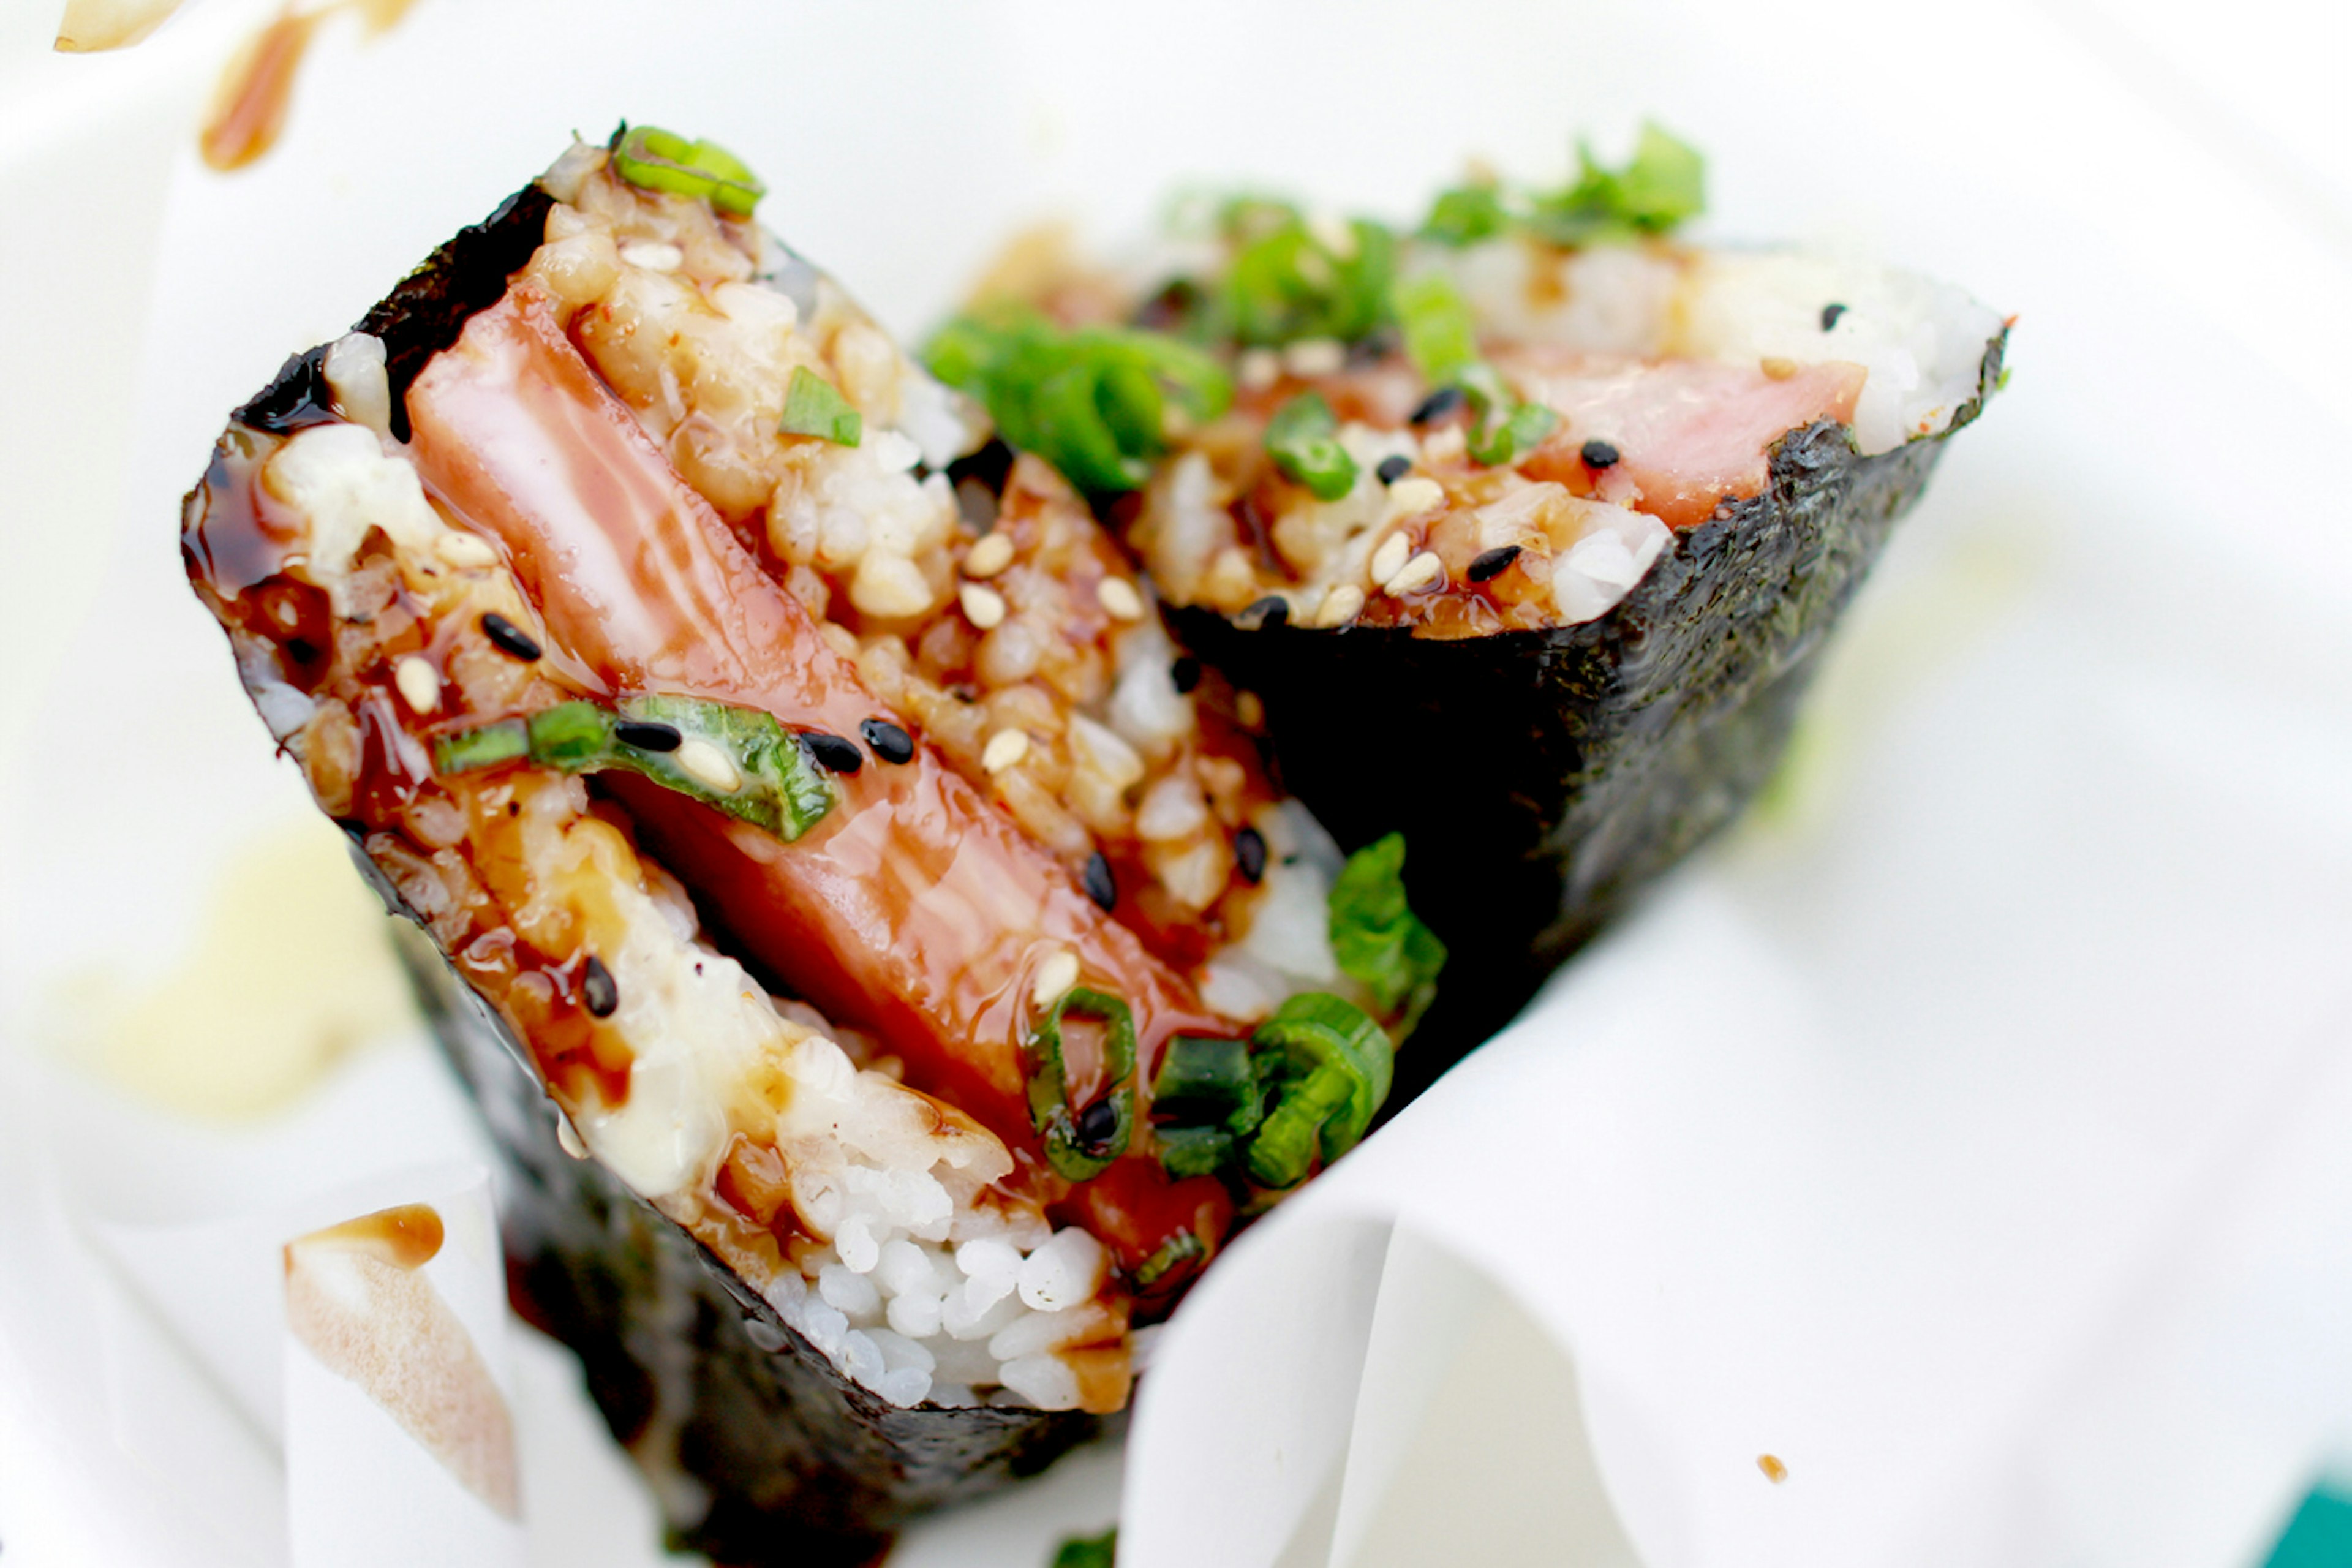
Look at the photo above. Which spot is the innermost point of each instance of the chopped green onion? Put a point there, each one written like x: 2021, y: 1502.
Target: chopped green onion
x: 1286, y: 282
x: 1207, y: 1082
x: 1180, y: 1248
x: 777, y: 788
x: 658, y: 160
x: 1050, y: 1111
x: 1376, y: 937
x: 1304, y: 438
x: 1495, y: 441
x: 813, y: 407
x: 1440, y: 337
x: 1661, y: 185
x: 1465, y: 215
x: 1333, y: 1067
x: 466, y: 750
x: 1195, y: 1151
x: 1088, y: 1551
x: 1092, y: 401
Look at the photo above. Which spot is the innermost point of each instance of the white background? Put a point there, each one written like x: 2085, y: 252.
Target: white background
x: 1962, y: 1135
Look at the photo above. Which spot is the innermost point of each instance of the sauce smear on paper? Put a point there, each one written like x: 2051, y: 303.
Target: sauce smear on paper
x: 249, y: 109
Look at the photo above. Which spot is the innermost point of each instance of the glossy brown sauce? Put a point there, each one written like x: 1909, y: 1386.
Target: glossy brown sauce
x: 407, y: 1236
x: 240, y: 552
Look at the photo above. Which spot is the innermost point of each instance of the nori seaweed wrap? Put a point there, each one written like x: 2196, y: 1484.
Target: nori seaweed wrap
x: 1527, y: 529
x: 880, y: 953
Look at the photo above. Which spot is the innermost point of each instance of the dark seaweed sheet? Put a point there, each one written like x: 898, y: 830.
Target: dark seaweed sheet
x: 760, y: 1452
x: 1543, y: 778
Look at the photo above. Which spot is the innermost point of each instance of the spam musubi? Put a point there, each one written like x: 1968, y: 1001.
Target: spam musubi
x: 1527, y: 525
x: 879, y: 950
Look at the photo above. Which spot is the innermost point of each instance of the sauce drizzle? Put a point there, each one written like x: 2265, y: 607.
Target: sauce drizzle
x: 249, y: 108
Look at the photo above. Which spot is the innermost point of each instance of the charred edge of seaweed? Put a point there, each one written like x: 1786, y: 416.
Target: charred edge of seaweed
x: 801, y: 1467
x: 418, y: 319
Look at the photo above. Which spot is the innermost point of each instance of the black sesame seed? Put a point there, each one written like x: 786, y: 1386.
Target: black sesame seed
x: 831, y: 752
x: 302, y: 651
x: 1437, y: 406
x: 1600, y: 454
x: 1097, y: 1123
x: 511, y: 638
x: 1493, y: 564
x: 1249, y: 853
x: 1102, y: 887
x: 1393, y: 468
x: 1185, y: 672
x: 988, y: 467
x: 647, y: 736
x: 890, y: 742
x: 1268, y: 613
x: 1830, y: 315
x: 599, y: 989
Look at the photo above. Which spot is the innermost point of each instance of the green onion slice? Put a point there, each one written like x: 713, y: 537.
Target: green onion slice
x: 1180, y: 1248
x: 1439, y: 336
x: 777, y: 788
x: 1050, y: 1111
x: 1195, y: 1151
x: 1502, y: 438
x: 658, y: 160
x: 1286, y: 282
x: 815, y: 406
x: 1095, y: 402
x: 1464, y: 215
x: 1661, y: 185
x: 1304, y: 438
x: 1088, y: 1551
x: 1334, y: 1067
x: 1208, y: 1082
x: 1376, y: 937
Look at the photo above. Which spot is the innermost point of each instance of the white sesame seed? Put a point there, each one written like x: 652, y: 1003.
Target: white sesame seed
x: 1250, y: 709
x: 1411, y: 496
x: 1055, y: 976
x: 993, y: 555
x: 569, y: 1136
x: 983, y: 607
x: 1443, y: 444
x: 1419, y: 573
x: 1315, y: 356
x: 1775, y: 368
x: 1004, y: 749
x: 1119, y: 600
x: 419, y: 683
x: 653, y: 255
x: 1340, y: 606
x: 1257, y: 369
x: 1390, y: 558
x: 465, y: 550
x: 707, y: 764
